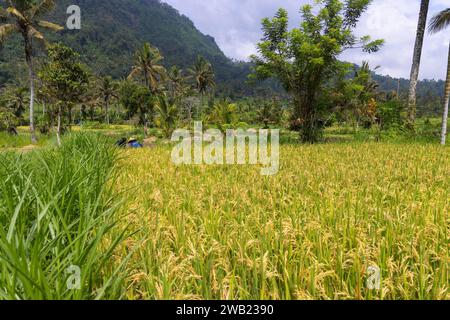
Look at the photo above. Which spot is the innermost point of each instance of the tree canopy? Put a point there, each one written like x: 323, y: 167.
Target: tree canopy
x: 305, y: 58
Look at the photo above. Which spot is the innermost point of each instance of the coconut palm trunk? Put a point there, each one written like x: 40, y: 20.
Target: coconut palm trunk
x: 26, y: 14
x: 69, y: 114
x: 107, y: 111
x: 29, y: 60
x: 147, y: 84
x: 446, y: 103
x: 438, y: 23
x: 416, y: 63
x: 148, y: 63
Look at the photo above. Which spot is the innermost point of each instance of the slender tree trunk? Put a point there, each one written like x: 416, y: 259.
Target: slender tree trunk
x: 83, y: 112
x: 29, y: 59
x: 416, y: 63
x: 51, y: 120
x: 145, y: 125
x: 58, y: 130
x: 69, y: 109
x: 147, y: 84
x: 107, y: 111
x: 446, y: 103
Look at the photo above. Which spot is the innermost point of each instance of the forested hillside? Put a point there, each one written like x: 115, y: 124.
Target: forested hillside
x: 429, y: 93
x: 112, y: 31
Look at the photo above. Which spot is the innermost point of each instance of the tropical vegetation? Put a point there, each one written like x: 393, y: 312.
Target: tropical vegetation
x: 87, y: 214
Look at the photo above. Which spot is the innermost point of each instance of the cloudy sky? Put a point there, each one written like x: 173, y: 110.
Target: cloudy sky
x: 236, y: 26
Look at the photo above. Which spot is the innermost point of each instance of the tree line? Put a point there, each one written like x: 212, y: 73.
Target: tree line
x: 321, y: 89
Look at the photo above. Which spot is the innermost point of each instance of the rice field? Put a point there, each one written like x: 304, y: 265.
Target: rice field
x: 311, y: 232
x: 139, y: 227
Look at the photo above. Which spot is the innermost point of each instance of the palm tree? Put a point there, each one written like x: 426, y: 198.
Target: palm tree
x: 12, y: 102
x: 416, y: 62
x: 148, y: 64
x: 177, y: 85
x: 438, y: 23
x: 15, y: 98
x: 107, y: 90
x: 166, y: 115
x: 25, y: 15
x: 91, y: 99
x: 7, y: 118
x: 224, y: 113
x: 203, y: 74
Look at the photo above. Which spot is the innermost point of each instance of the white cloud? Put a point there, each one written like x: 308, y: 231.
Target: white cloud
x: 236, y: 26
x: 396, y: 22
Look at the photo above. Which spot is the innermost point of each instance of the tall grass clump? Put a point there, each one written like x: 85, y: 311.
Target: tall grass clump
x: 58, y: 221
x: 21, y: 140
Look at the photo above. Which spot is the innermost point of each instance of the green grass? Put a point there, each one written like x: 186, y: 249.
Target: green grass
x: 56, y: 211
x: 8, y: 141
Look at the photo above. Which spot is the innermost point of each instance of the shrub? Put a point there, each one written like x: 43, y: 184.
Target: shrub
x: 390, y: 114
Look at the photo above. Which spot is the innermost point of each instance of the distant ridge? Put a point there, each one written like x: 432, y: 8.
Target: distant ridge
x: 112, y: 30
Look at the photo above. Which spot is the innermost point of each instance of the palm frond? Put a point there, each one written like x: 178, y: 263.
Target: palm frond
x: 33, y: 33
x: 160, y: 70
x: 17, y: 14
x: 440, y: 21
x: 134, y: 72
x: 50, y: 25
x: 5, y: 31
x: 44, y: 7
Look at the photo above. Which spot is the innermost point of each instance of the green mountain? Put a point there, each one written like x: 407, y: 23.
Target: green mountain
x: 112, y: 30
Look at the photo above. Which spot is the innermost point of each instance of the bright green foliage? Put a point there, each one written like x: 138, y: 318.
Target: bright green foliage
x: 13, y: 103
x: 270, y: 112
x: 107, y: 90
x: 65, y: 77
x: 390, y: 114
x: 57, y: 211
x: 166, y: 115
x: 177, y: 85
x: 203, y: 75
x: 23, y: 17
x: 304, y: 59
x: 354, y: 98
x: 7, y: 118
x: 136, y: 99
x: 224, y: 113
x: 147, y: 65
x: 66, y: 80
x: 108, y: 35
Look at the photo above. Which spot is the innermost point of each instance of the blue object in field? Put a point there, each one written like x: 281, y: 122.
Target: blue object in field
x: 135, y: 145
